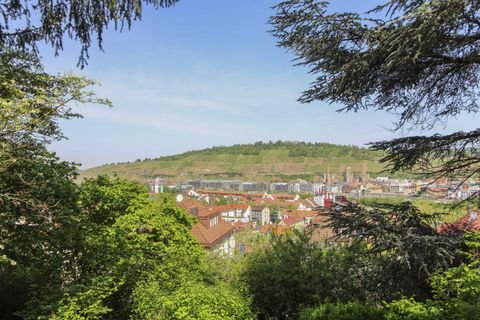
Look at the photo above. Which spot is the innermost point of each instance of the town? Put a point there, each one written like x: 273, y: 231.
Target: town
x: 239, y: 160
x: 225, y: 208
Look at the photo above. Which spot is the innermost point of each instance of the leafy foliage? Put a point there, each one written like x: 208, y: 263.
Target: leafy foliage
x: 293, y: 272
x: 416, y: 59
x: 148, y: 240
x: 295, y: 149
x: 104, y: 199
x: 39, y: 216
x: 419, y: 61
x: 406, y: 239
x: 456, y: 296
x: 409, y: 309
x: 192, y: 301
x: 343, y: 311
x: 23, y: 23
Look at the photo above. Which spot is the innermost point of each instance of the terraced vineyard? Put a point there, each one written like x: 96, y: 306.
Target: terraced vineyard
x: 253, y: 162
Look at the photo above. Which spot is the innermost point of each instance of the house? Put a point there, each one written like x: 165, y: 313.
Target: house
x: 275, y: 229
x: 293, y: 222
x: 469, y: 222
x: 286, y: 197
x: 238, y: 212
x: 156, y: 185
x: 211, y: 231
x: 306, y: 204
x: 297, y: 219
x: 322, y: 233
x: 260, y: 215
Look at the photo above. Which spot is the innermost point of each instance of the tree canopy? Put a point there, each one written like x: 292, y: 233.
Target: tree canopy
x: 418, y: 59
x: 38, y: 196
x: 101, y: 250
x: 23, y: 24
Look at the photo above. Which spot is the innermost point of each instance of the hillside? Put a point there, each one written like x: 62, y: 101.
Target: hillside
x: 255, y: 162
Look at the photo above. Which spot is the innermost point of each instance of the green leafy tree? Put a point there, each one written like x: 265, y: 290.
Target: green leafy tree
x: 455, y: 292
x: 39, y: 215
x: 409, y: 309
x: 104, y: 199
x: 193, y: 300
x: 292, y: 272
x: 129, y: 239
x: 405, y: 242
x: 343, y: 311
x: 456, y: 296
x: 140, y: 261
x: 417, y: 59
x: 23, y: 24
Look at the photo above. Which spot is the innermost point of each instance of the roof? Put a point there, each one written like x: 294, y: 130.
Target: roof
x: 189, y: 203
x: 308, y: 203
x: 233, y: 206
x: 207, y: 212
x: 208, y: 237
x: 299, y: 213
x: 468, y: 222
x: 291, y: 220
x: 258, y: 208
x: 284, y: 196
x: 266, y: 201
x: 239, y: 225
x: 275, y: 229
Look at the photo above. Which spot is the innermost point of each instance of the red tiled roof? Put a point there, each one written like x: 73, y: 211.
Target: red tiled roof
x: 275, y: 229
x: 188, y: 204
x: 285, y: 196
x: 207, y: 212
x: 208, y: 237
x: 281, y: 203
x: 299, y: 213
x: 468, y: 222
x: 242, y: 225
x: 291, y: 220
x: 233, y: 206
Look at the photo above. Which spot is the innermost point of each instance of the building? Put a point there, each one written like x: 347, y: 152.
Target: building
x: 156, y: 185
x: 253, y: 186
x: 348, y: 175
x: 211, y: 231
x: 279, y: 187
x: 301, y: 187
x: 260, y: 215
x: 238, y: 212
x: 469, y: 222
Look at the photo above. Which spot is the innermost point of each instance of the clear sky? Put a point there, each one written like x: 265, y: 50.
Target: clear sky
x: 200, y: 74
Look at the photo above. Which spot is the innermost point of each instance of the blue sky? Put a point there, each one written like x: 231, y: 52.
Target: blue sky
x: 203, y: 73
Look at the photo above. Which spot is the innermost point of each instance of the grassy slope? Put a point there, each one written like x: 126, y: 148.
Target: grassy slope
x: 451, y: 211
x: 258, y: 162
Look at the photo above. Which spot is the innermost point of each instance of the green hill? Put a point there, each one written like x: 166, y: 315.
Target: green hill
x: 254, y: 162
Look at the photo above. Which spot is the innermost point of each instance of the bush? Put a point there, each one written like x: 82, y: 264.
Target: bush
x: 343, y: 311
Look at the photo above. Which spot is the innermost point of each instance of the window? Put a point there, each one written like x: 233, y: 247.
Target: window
x: 213, y: 221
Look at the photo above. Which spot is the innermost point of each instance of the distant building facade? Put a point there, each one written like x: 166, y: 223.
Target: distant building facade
x: 260, y: 215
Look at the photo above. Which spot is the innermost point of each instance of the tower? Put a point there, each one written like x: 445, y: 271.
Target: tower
x: 365, y: 171
x: 348, y: 175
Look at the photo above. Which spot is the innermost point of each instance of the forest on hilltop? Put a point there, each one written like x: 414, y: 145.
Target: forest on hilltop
x: 295, y: 149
